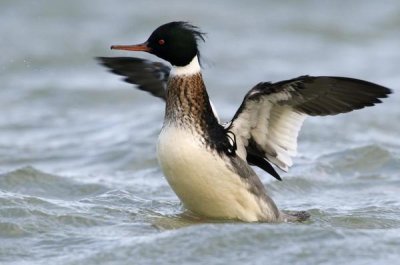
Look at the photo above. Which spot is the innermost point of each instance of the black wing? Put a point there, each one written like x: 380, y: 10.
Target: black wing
x: 149, y: 76
x: 267, y: 123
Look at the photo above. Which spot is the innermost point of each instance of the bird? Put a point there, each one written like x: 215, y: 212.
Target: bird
x: 209, y: 164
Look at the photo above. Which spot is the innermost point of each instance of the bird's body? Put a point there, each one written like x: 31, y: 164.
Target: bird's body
x: 191, y: 153
x: 207, y: 164
x: 205, y: 181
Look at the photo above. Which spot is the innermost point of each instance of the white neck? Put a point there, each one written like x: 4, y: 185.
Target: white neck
x: 191, y: 69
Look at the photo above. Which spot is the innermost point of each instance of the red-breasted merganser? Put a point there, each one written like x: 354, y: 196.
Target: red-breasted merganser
x: 207, y: 163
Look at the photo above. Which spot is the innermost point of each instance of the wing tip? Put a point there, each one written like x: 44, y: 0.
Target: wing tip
x: 263, y: 164
x: 100, y: 60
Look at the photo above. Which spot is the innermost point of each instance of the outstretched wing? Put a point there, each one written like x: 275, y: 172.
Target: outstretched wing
x: 268, y: 122
x: 149, y: 76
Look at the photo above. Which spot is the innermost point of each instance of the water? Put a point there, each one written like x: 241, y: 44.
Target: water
x: 79, y: 181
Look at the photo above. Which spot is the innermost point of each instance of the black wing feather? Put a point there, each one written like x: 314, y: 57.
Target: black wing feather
x: 149, y: 76
x: 262, y: 163
x: 328, y: 95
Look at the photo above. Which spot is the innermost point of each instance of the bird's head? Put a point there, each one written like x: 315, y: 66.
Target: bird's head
x: 175, y: 42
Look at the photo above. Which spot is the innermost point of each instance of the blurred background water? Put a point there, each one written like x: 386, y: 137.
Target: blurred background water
x: 79, y: 181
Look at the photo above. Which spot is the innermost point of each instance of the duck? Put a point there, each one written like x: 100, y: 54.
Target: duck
x: 209, y: 164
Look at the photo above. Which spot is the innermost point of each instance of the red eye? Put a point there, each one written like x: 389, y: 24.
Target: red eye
x: 161, y: 42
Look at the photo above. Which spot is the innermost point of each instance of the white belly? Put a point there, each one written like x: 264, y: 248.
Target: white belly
x: 201, y: 179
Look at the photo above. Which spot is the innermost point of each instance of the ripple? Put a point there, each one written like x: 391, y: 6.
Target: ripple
x: 370, y: 159
x: 362, y: 222
x: 30, y: 181
x: 11, y: 230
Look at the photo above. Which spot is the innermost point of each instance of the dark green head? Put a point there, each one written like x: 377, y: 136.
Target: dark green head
x: 175, y: 42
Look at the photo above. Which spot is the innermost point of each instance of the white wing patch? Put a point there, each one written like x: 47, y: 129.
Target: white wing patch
x: 260, y: 129
x: 283, y: 128
x: 273, y: 127
x: 242, y: 127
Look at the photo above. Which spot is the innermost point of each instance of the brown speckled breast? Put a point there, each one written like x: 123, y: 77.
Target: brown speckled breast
x: 188, y: 107
x: 187, y: 102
